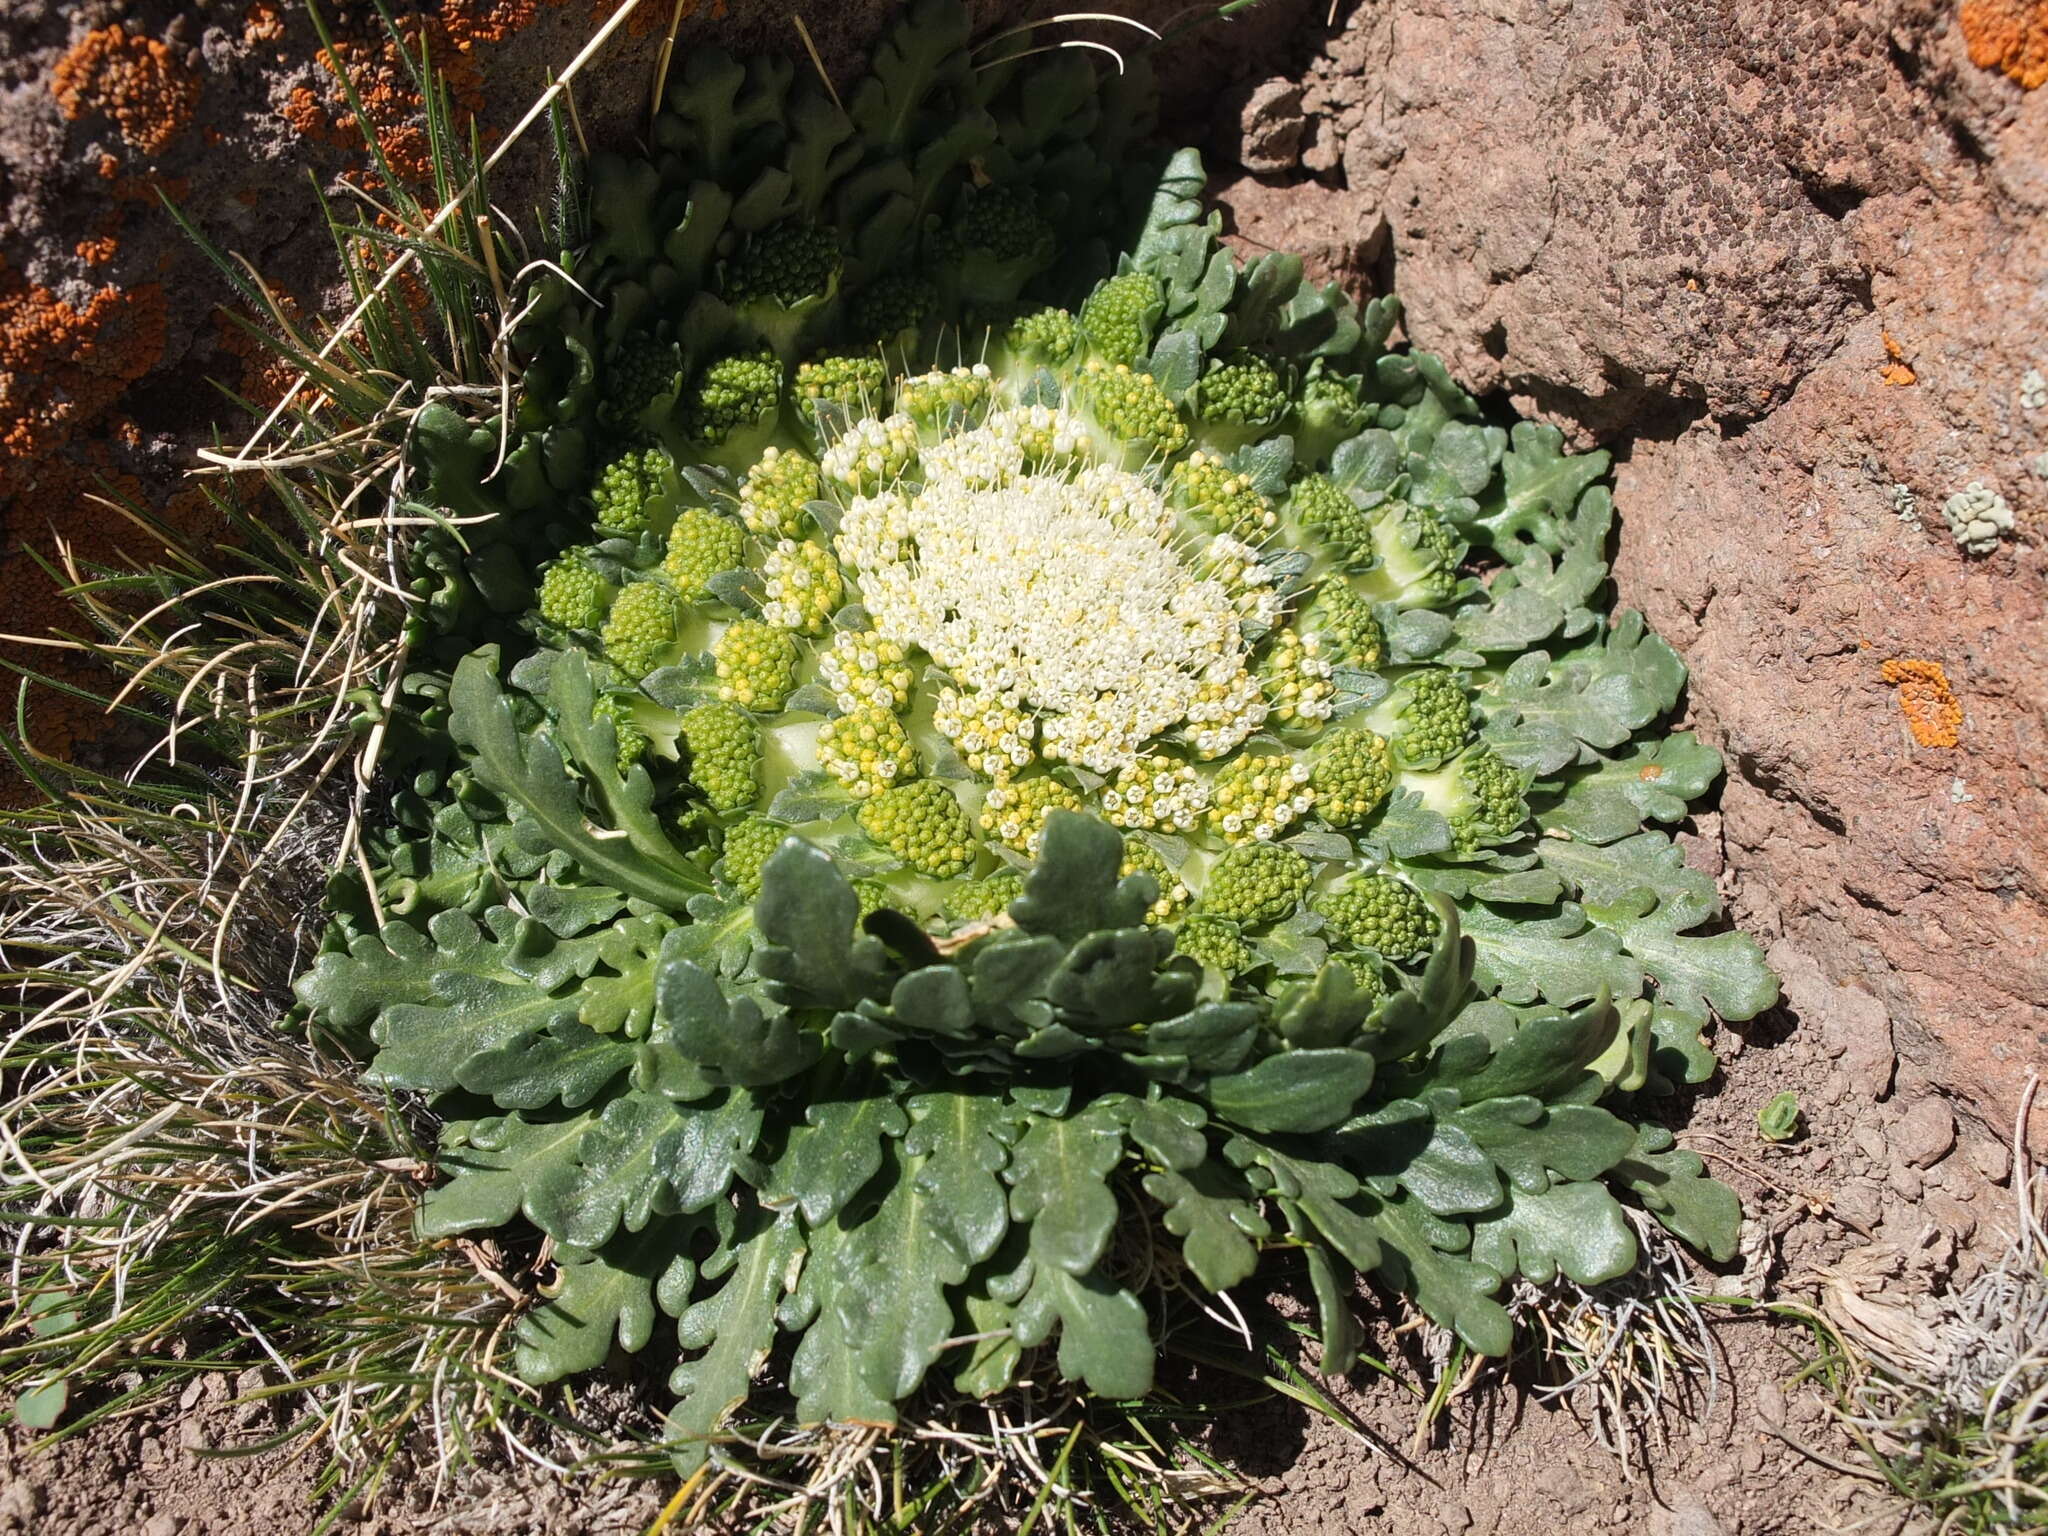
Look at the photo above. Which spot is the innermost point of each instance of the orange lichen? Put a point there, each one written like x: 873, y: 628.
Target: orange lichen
x: 96, y: 251
x: 307, y: 114
x: 2011, y: 35
x: 1649, y: 773
x: 1896, y: 370
x: 1932, y: 712
x: 263, y: 22
x: 378, y: 71
x: 62, y: 367
x: 134, y: 80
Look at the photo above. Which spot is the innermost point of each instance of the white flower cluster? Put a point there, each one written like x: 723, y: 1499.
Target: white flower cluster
x: 1065, y: 590
x: 1158, y: 794
x: 871, y: 454
x: 864, y: 670
x: 874, y: 532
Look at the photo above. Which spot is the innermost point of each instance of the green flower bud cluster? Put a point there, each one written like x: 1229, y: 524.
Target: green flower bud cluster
x: 802, y: 587
x: 641, y: 628
x: 1426, y: 718
x: 1005, y: 223
x: 893, y: 307
x: 631, y: 739
x: 872, y: 454
x: 850, y: 381
x: 1296, y: 677
x: 867, y: 750
x: 787, y: 265
x: 1131, y: 408
x: 956, y: 394
x: 1219, y: 498
x: 1047, y: 338
x: 1346, y: 622
x: 1352, y: 775
x: 776, y: 491
x: 1014, y: 811
x: 740, y: 391
x: 1157, y: 793
x: 640, y: 369
x: 724, y: 749
x: 1381, y: 913
x: 1118, y: 317
x: 977, y: 901
x: 922, y: 824
x: 628, y: 488
x: 1338, y: 523
x: 1242, y: 391
x: 1258, y: 798
x: 756, y: 664
x: 1256, y: 883
x: 748, y: 847
x: 863, y: 669
x: 1214, y: 943
x: 1142, y: 858
x: 573, y: 595
x: 700, y: 545
x: 1479, y: 795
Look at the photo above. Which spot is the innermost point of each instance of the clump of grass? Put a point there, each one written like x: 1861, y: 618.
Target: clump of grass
x: 192, y: 1184
x: 1625, y: 1356
x: 1965, y: 1439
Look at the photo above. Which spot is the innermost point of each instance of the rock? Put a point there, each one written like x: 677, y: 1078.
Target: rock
x: 1686, y: 1515
x: 1904, y: 1179
x: 1860, y: 1203
x: 1989, y: 1157
x: 20, y: 1502
x: 1925, y: 1134
x: 1954, y: 1217
x: 162, y: 1525
x: 1852, y: 1025
x: 1668, y: 224
x: 1270, y: 129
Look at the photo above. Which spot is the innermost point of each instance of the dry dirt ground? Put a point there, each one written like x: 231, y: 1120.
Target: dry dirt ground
x: 1786, y: 260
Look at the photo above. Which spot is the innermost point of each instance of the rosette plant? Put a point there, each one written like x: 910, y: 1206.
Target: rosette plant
x: 968, y: 755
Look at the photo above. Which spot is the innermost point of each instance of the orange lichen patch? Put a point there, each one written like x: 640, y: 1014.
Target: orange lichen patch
x: 1649, y: 773
x: 1896, y: 370
x: 1930, y: 706
x: 63, y: 367
x: 136, y: 81
x: 2011, y: 35
x: 96, y: 251
x: 377, y: 70
x: 263, y: 22
x: 307, y: 114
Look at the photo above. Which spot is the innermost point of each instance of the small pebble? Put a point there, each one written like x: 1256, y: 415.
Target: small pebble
x: 1925, y: 1134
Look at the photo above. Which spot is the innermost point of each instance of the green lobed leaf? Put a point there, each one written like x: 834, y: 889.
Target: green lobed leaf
x: 730, y: 1332
x: 1574, y: 1228
x: 533, y: 774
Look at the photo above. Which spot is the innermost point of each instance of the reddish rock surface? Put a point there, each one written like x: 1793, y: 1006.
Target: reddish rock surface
x: 1784, y: 258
